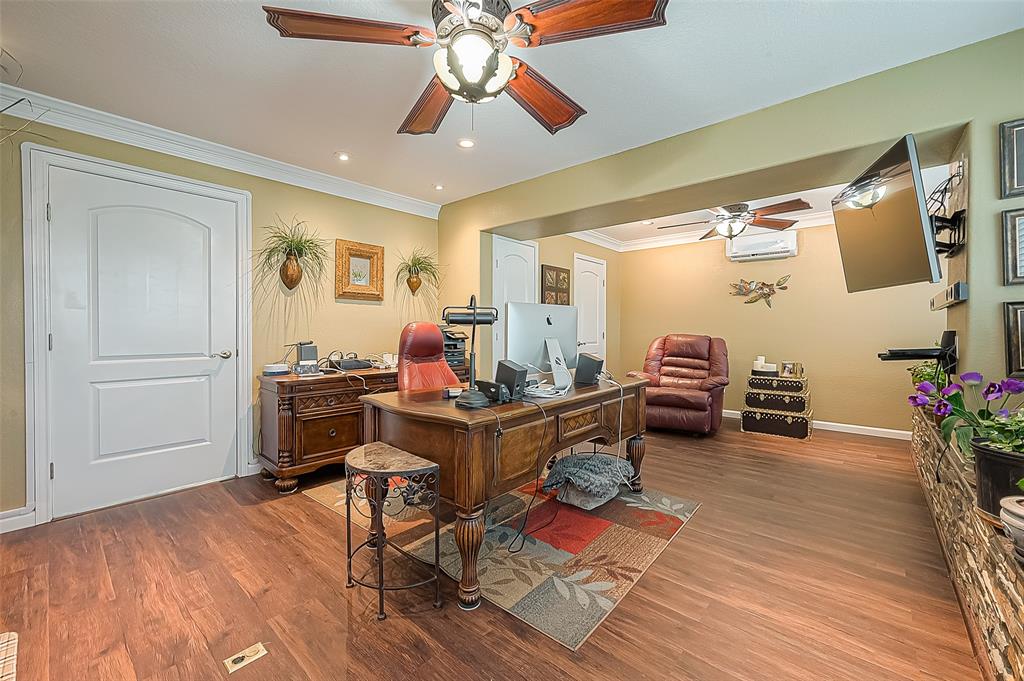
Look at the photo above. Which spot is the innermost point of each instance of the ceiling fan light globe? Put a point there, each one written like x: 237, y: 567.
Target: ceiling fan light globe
x: 500, y: 79
x: 444, y: 72
x: 730, y: 228
x: 471, y: 53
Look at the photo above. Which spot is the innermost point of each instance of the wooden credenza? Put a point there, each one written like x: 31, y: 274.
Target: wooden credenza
x: 309, y: 422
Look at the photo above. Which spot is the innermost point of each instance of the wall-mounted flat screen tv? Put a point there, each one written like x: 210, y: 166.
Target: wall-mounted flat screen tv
x: 885, y: 235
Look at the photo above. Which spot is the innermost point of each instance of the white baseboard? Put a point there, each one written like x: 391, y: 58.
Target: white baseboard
x: 872, y: 431
x: 17, y: 519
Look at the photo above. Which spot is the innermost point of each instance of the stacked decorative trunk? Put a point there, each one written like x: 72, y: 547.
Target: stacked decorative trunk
x: 988, y: 580
x: 777, y: 406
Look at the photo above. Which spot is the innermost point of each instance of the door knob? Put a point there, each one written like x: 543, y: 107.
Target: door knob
x: 223, y: 354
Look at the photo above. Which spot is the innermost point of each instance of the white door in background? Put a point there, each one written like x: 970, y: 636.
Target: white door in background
x: 589, y: 297
x: 143, y: 291
x: 514, y: 279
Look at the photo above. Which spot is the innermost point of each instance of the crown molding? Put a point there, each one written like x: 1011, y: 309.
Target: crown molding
x: 593, y: 236
x: 77, y: 118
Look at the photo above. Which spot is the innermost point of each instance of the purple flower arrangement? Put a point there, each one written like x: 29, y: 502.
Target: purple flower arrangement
x: 968, y: 410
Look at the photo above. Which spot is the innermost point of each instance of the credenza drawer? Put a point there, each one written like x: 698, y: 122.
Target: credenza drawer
x: 329, y: 435
x: 308, y: 403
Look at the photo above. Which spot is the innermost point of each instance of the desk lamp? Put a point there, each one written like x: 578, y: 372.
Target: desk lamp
x: 471, y: 315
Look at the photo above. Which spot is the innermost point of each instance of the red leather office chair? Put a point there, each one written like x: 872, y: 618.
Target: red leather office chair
x: 421, y: 362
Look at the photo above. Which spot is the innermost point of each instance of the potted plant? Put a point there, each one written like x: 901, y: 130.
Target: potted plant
x: 419, y: 265
x: 928, y: 371
x: 288, y: 249
x: 929, y: 381
x: 985, y: 425
x: 1012, y: 515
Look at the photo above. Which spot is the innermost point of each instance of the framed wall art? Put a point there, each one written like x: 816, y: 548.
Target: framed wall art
x: 554, y: 285
x: 359, y: 270
x: 1013, y: 246
x: 1011, y: 158
x: 1014, y: 316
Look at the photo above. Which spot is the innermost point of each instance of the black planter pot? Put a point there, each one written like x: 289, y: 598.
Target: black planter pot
x: 997, y: 472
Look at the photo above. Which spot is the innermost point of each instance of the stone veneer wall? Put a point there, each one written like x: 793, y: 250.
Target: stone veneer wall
x: 988, y: 580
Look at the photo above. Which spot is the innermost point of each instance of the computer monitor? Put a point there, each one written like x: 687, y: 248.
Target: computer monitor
x: 527, y: 325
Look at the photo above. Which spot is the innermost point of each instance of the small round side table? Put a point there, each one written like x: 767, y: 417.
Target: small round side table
x: 390, y: 479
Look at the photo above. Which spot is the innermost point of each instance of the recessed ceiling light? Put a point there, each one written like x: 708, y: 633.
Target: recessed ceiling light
x: 648, y: 222
x: 466, y: 143
x: 342, y: 156
x: 438, y: 187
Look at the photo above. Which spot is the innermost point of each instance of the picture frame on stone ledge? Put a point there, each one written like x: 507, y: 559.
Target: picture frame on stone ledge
x: 1011, y: 155
x: 1014, y: 320
x: 1013, y: 246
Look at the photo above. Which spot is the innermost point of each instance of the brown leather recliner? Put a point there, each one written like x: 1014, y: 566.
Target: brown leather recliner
x: 688, y: 375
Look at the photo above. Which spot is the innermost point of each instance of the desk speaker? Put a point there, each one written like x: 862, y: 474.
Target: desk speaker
x: 588, y: 368
x: 512, y: 376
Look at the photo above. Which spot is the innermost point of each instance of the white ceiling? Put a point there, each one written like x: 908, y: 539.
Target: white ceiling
x: 637, y: 235
x: 215, y: 70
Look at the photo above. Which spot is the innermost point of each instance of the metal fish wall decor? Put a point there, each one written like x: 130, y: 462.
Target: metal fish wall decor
x: 759, y: 290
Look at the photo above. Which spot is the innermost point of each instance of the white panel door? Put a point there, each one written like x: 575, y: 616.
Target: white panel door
x: 589, y: 294
x: 142, y: 299
x: 514, y: 280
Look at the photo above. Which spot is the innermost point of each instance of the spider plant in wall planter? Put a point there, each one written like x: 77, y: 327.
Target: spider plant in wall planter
x: 987, y: 428
x: 421, y: 265
x: 290, y: 249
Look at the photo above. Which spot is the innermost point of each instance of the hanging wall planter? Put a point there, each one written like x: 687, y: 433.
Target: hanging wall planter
x: 289, y: 250
x: 291, y: 271
x: 419, y: 268
x: 414, y: 282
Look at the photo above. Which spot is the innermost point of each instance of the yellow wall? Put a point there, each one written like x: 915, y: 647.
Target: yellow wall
x: 836, y: 335
x: 333, y: 324
x: 813, y: 141
x: 559, y: 251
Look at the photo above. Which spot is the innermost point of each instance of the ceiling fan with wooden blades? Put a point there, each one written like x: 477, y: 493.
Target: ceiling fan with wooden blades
x: 472, y: 36
x: 732, y: 220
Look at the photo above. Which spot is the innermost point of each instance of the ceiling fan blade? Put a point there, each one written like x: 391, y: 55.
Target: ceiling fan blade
x: 772, y: 223
x: 428, y: 111
x: 556, y: 21
x: 784, y: 207
x: 294, y: 23
x: 551, y: 107
x: 713, y: 232
x: 686, y: 224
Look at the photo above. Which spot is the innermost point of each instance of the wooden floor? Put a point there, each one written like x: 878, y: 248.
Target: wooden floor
x: 808, y: 560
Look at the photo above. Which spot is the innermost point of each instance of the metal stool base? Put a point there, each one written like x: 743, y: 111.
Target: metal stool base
x: 383, y: 486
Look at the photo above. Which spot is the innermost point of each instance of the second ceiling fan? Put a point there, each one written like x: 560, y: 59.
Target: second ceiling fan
x: 471, y: 64
x: 732, y: 220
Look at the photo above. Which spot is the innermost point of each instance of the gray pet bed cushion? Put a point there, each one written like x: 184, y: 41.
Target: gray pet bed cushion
x: 587, y: 480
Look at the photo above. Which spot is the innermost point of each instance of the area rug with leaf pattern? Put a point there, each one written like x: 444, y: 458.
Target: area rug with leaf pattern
x: 569, y: 568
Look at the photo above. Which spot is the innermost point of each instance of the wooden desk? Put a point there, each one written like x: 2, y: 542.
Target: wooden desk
x: 309, y: 422
x: 475, y: 469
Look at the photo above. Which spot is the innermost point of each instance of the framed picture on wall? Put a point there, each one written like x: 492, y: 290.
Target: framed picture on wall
x: 1011, y: 156
x: 358, y: 270
x: 554, y: 285
x: 1014, y: 319
x: 1013, y: 246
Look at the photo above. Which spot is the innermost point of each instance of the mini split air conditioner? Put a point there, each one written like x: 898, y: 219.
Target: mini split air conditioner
x: 761, y: 246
